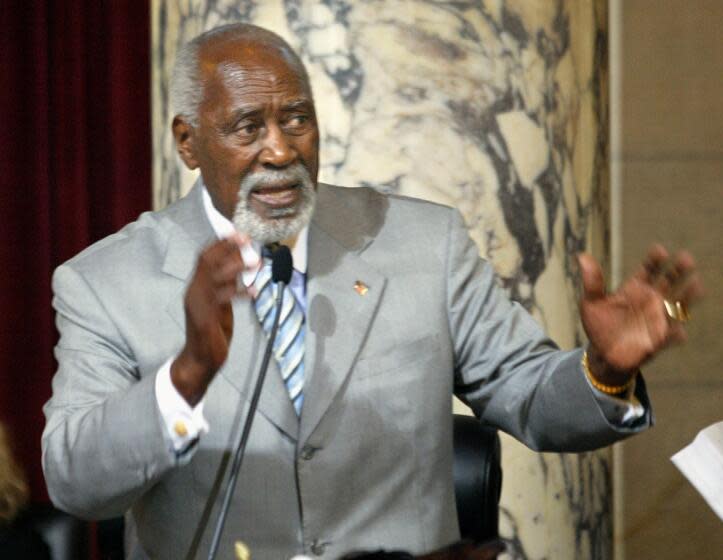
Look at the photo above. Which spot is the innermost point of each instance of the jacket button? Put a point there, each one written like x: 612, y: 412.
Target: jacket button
x: 307, y: 452
x: 318, y: 548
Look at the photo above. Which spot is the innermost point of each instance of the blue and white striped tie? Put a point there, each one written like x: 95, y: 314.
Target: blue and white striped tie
x: 289, y: 344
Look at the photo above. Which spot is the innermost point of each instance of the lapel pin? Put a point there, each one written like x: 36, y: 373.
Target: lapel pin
x: 361, y: 288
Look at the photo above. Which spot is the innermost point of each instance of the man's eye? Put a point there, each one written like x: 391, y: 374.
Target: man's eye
x: 298, y: 120
x: 248, y: 129
x: 245, y: 129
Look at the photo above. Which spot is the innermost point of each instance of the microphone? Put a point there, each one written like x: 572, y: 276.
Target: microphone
x: 281, y: 270
x: 281, y: 263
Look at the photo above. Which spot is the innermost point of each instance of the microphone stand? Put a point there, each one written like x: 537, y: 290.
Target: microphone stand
x: 241, y: 447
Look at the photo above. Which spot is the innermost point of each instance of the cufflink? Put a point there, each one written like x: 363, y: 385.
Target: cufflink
x: 241, y: 551
x: 361, y: 288
x: 180, y: 428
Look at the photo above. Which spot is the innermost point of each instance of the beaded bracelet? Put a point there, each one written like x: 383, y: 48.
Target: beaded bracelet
x: 607, y: 389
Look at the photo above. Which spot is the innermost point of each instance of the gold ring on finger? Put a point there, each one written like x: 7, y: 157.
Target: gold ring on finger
x: 677, y: 311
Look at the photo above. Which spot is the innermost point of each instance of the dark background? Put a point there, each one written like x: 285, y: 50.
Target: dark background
x: 75, y: 165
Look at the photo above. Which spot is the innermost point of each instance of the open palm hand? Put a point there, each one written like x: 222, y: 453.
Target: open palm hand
x: 630, y: 325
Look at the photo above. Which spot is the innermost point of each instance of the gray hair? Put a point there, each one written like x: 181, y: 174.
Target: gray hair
x: 186, y: 83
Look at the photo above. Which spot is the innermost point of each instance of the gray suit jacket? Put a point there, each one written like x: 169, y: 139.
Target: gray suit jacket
x: 369, y: 462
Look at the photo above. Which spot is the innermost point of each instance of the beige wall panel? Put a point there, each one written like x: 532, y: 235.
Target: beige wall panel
x: 665, y: 518
x: 672, y: 191
x: 672, y: 77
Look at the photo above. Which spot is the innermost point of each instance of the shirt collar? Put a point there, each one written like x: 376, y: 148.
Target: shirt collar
x: 251, y: 253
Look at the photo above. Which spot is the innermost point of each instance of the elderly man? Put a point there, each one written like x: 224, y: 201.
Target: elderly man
x: 389, y: 312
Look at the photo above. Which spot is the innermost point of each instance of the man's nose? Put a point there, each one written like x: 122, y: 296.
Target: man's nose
x: 277, y: 151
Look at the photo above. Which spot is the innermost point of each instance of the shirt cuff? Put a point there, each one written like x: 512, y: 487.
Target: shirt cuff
x: 183, y: 424
x: 620, y: 410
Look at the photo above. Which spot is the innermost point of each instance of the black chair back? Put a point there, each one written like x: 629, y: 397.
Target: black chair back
x: 66, y: 536
x: 477, y: 478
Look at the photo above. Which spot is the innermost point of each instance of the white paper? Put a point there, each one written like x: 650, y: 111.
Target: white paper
x: 702, y: 464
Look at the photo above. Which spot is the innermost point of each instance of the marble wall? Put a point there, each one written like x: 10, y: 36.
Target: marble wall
x: 496, y: 107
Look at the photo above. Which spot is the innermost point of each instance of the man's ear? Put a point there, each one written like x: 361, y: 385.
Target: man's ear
x: 183, y: 133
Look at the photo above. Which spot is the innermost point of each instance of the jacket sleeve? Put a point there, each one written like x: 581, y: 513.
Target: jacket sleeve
x: 510, y: 373
x: 103, y: 443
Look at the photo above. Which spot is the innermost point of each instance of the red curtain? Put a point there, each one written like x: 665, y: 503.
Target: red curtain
x: 75, y: 165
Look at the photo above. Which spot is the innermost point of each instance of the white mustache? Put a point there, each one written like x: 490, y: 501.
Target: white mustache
x: 296, y: 173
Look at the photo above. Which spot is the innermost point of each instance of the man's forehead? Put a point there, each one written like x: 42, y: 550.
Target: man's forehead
x: 217, y: 51
x: 258, y: 77
x: 233, y: 61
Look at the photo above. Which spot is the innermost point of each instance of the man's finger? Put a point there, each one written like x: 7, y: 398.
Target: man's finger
x: 225, y: 293
x: 682, y: 266
x: 689, y: 291
x: 680, y: 281
x: 218, y: 253
x: 654, y: 264
x: 593, y: 281
x: 684, y: 262
x: 229, y: 270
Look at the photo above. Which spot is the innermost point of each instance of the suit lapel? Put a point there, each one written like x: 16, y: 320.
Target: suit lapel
x: 338, y: 317
x: 190, y: 231
x: 242, y: 368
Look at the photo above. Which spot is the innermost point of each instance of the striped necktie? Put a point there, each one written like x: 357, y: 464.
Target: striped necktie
x: 289, y: 344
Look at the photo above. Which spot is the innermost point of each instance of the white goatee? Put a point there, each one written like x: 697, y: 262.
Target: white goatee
x: 282, y: 223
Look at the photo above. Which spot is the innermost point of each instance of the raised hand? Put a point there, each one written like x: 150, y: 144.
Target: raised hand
x: 209, y: 317
x: 627, y: 327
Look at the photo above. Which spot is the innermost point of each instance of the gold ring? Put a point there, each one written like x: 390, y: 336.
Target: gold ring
x: 677, y: 311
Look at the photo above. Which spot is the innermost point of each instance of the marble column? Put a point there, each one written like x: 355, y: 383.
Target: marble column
x: 496, y: 107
